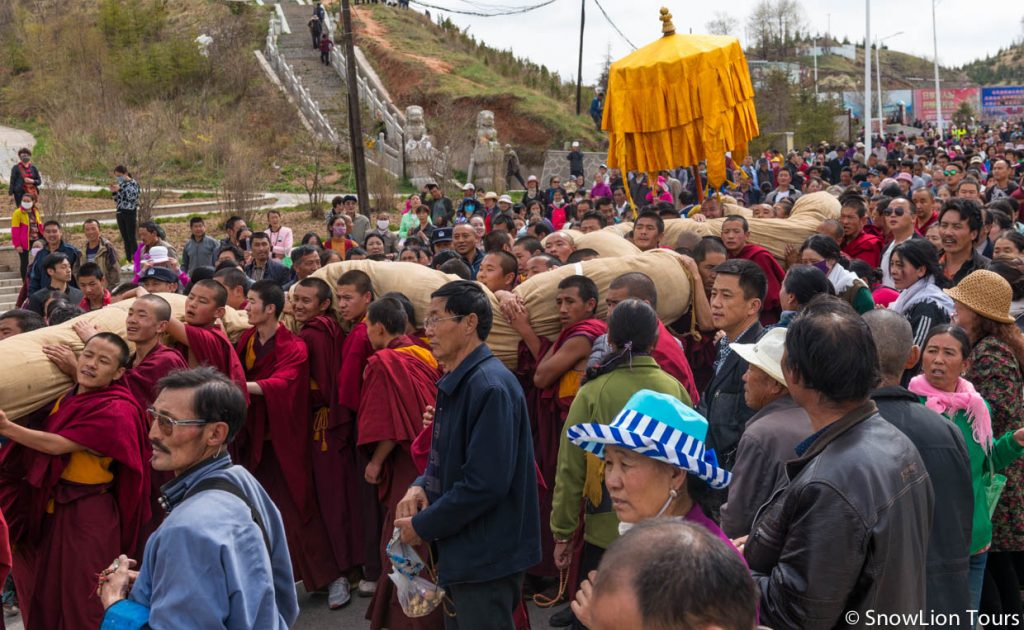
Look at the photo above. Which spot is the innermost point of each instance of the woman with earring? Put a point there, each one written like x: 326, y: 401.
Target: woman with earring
x: 982, y: 302
x: 944, y: 389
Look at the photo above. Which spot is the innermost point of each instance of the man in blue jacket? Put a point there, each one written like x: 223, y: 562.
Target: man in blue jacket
x: 219, y: 559
x: 477, y: 501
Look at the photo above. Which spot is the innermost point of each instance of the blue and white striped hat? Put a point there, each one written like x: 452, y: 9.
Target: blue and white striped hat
x: 658, y: 426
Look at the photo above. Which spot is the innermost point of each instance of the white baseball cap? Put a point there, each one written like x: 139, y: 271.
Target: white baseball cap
x: 575, y: 144
x: 158, y: 254
x: 469, y: 186
x: 766, y: 354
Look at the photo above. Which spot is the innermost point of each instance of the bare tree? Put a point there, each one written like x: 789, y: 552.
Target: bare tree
x: 239, y: 189
x: 773, y: 27
x: 381, y: 186
x: 313, y: 152
x: 454, y: 134
x: 722, y: 24
x: 142, y: 140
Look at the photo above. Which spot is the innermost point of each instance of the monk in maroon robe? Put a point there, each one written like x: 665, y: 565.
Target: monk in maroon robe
x: 147, y: 321
x: 76, y: 492
x: 668, y: 351
x: 735, y: 233
x: 274, y: 443
x: 200, y: 339
x: 550, y: 374
x: 333, y: 430
x: 354, y: 294
x: 398, y: 387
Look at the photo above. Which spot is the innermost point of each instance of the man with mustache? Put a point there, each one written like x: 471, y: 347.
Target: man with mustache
x: 219, y: 560
x: 79, y: 483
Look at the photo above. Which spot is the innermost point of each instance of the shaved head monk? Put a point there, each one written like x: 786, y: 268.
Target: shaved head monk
x: 550, y: 373
x: 332, y: 430
x: 354, y: 294
x: 667, y: 351
x: 199, y: 338
x: 274, y: 443
x: 398, y: 387
x: 76, y: 492
x: 145, y: 323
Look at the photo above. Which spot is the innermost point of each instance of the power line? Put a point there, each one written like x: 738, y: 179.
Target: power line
x: 507, y: 11
x: 605, y: 14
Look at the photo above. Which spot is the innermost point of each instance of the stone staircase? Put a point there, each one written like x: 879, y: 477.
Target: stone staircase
x: 10, y: 285
x: 323, y: 82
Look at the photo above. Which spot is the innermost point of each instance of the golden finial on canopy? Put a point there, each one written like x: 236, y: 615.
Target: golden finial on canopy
x: 667, y: 28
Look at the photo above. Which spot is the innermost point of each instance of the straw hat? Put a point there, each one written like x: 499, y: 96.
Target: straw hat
x: 986, y: 293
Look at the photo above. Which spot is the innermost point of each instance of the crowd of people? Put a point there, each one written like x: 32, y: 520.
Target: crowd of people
x: 840, y: 438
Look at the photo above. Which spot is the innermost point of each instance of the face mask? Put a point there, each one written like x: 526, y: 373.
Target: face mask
x: 25, y: 158
x: 822, y: 265
x: 625, y: 527
x: 338, y: 230
x: 383, y: 225
x: 26, y: 204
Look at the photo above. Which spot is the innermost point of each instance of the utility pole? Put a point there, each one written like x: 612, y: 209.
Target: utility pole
x: 355, y: 125
x: 878, y: 73
x: 815, y: 43
x: 938, y: 91
x: 866, y: 119
x: 579, y: 67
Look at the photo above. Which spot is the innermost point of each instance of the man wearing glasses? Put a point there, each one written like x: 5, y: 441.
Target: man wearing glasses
x: 76, y: 492
x: 899, y: 215
x: 219, y: 560
x: 477, y: 500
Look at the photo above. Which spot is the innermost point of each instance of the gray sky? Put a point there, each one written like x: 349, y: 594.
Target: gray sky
x: 968, y: 29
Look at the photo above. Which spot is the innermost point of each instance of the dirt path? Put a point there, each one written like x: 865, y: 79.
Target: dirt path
x: 10, y: 141
x: 379, y: 34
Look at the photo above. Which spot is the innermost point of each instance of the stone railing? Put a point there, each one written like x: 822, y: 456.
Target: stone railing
x: 387, y: 148
x: 309, y: 108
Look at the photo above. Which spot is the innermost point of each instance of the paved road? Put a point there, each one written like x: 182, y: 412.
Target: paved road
x: 314, y: 615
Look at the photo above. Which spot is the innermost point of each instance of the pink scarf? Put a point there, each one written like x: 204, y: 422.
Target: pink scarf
x: 948, y: 403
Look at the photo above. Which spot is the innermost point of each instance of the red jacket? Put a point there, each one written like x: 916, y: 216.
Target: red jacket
x: 866, y: 247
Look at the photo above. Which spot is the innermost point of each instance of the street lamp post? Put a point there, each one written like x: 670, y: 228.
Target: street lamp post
x: 878, y: 74
x: 867, y: 79
x: 938, y: 92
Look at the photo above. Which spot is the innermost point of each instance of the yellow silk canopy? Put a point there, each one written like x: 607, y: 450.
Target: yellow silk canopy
x: 680, y: 100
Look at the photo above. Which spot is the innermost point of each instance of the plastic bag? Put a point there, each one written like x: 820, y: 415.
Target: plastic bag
x: 418, y: 596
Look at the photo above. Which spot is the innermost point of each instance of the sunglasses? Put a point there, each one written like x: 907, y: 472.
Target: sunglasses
x: 167, y: 423
x: 897, y: 211
x: 950, y: 172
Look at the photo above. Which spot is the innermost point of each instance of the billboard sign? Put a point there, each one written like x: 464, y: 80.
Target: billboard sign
x: 1002, y: 102
x: 924, y: 102
x: 891, y: 99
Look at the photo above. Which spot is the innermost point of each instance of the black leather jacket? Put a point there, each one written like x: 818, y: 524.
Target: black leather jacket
x: 849, y: 533
x: 723, y: 404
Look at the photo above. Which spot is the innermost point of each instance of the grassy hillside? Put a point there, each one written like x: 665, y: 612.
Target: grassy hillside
x: 123, y: 81
x: 1003, y: 68
x: 453, y: 76
x: 898, y: 70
